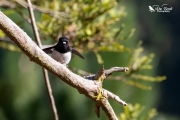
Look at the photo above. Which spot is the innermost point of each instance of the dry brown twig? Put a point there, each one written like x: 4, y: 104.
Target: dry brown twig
x: 89, y: 88
x: 54, y: 13
x: 45, y: 72
x: 7, y: 4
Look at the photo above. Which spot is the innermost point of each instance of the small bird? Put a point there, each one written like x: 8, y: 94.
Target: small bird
x: 62, y: 52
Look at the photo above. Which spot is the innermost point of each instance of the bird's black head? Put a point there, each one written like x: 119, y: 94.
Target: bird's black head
x: 62, y: 45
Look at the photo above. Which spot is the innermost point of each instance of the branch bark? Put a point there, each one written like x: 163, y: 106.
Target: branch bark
x: 89, y: 88
x: 53, y: 13
x: 45, y: 72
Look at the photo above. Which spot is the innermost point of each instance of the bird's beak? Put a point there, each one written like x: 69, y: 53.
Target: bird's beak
x: 64, y: 43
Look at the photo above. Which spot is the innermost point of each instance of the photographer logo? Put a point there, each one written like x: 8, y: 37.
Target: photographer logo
x: 163, y: 8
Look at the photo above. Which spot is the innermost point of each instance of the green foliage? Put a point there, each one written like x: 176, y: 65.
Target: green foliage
x: 93, y: 26
x: 90, y: 25
x: 140, y: 62
x: 9, y: 46
x: 135, y: 112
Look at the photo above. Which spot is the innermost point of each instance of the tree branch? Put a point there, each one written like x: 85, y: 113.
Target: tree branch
x: 108, y: 109
x: 53, y: 13
x: 89, y: 88
x: 5, y: 3
x: 45, y: 72
x: 105, y: 73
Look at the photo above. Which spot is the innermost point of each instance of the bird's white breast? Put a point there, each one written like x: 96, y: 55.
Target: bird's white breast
x: 63, y: 58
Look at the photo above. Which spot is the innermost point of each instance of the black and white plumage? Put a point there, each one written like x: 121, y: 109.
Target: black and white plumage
x: 62, y: 52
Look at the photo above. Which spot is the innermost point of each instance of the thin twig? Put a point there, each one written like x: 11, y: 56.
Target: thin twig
x: 106, y: 73
x: 33, y: 22
x: 46, y: 77
x: 97, y: 110
x: 5, y: 4
x: 108, y: 109
x: 53, y: 13
x: 111, y: 95
x: 24, y: 16
x: 115, y: 69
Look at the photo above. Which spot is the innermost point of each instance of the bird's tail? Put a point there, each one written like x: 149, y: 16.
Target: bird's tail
x: 77, y: 53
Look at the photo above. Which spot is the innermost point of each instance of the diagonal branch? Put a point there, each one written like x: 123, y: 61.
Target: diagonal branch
x: 53, y: 13
x: 89, y: 88
x: 45, y: 72
x: 105, y: 73
x: 108, y: 109
x: 111, y: 95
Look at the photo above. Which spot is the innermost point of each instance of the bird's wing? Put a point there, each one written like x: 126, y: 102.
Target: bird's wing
x: 77, y: 53
x: 48, y: 50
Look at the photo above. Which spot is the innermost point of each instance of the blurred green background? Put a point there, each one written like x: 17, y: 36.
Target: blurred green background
x: 106, y: 32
